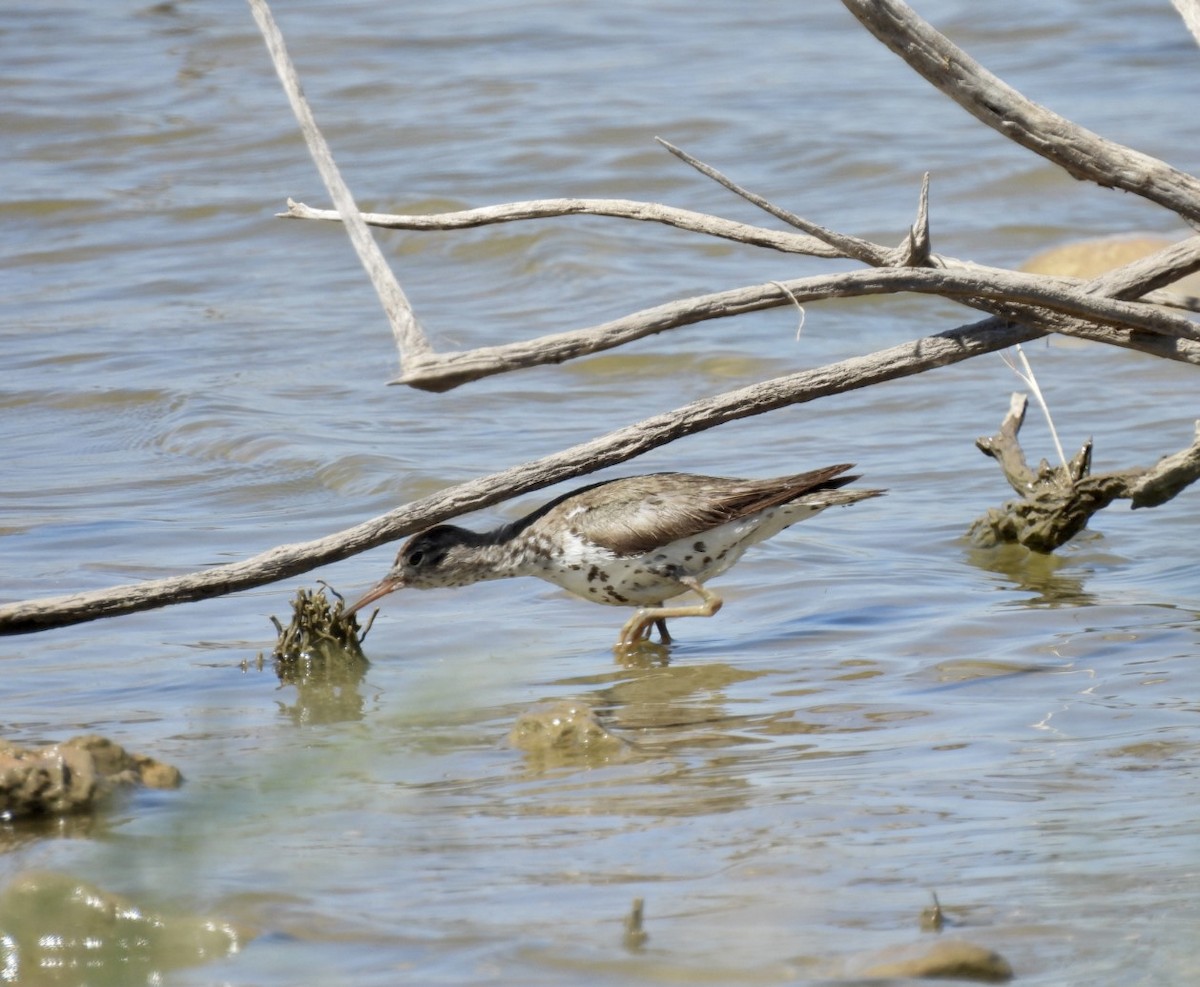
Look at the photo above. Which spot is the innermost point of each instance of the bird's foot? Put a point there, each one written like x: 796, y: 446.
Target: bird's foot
x: 634, y: 647
x: 637, y: 628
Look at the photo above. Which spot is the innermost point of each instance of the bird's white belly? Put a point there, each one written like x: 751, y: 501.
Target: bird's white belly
x: 649, y: 579
x: 618, y: 582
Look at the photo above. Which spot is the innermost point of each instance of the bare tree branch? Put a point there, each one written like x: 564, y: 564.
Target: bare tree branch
x: 409, y: 336
x: 1057, y: 502
x: 626, y: 443
x: 1189, y: 10
x: 684, y: 219
x: 1081, y: 153
x: 649, y: 212
x: 1167, y: 477
x: 969, y: 284
x: 847, y: 246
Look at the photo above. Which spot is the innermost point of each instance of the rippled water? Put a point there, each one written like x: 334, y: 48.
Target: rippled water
x: 879, y: 712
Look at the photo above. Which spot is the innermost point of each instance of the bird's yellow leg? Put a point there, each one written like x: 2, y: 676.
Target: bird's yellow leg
x: 637, y: 627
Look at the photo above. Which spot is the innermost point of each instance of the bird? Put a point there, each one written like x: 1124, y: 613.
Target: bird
x: 637, y: 541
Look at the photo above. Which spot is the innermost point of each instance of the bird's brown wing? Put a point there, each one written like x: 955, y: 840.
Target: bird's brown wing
x: 634, y: 515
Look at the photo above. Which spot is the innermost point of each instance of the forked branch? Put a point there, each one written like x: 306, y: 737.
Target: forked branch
x: 410, y: 337
x: 1058, y: 139
x: 1056, y: 502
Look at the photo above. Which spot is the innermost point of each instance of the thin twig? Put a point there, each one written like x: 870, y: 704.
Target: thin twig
x: 1025, y: 372
x: 850, y: 246
x: 795, y: 301
x: 410, y: 338
x: 648, y: 212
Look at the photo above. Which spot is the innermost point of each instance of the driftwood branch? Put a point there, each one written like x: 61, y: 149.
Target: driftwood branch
x: 1056, y: 502
x: 1005, y: 448
x: 645, y: 212
x: 851, y: 247
x: 410, y: 338
x: 1078, y: 151
x: 1082, y: 153
x: 1167, y: 477
x: 450, y: 369
x: 1149, y: 331
x: 684, y: 219
x: 1189, y: 10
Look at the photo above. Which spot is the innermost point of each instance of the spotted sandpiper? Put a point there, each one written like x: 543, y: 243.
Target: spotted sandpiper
x: 637, y: 541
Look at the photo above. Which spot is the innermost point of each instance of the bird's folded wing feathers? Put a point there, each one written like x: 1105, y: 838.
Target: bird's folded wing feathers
x: 638, y: 514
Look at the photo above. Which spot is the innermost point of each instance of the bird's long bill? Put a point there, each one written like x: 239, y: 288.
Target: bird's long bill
x: 389, y: 584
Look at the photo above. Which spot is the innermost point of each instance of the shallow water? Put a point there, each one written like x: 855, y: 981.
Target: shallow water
x: 880, y: 710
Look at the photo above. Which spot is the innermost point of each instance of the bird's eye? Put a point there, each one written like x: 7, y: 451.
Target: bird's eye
x: 416, y: 558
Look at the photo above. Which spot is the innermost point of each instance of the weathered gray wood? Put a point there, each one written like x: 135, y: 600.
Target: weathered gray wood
x: 755, y: 236
x: 410, y: 338
x: 1078, y: 151
x: 1056, y: 502
x: 646, y: 212
x: 852, y: 247
x: 1031, y: 298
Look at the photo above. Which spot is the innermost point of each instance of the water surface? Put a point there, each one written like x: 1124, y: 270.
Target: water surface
x: 880, y: 711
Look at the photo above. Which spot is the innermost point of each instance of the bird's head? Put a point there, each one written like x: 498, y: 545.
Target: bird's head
x: 437, y: 557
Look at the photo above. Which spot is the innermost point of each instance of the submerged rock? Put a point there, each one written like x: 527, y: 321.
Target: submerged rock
x: 946, y: 959
x: 56, y: 929
x: 1091, y: 258
x: 564, y: 734
x: 73, y: 776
